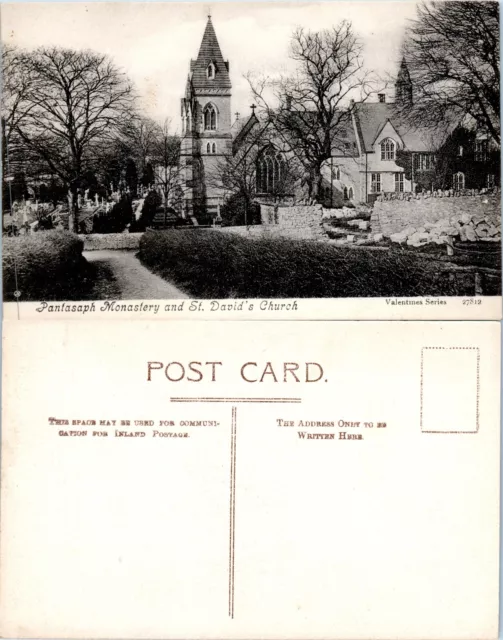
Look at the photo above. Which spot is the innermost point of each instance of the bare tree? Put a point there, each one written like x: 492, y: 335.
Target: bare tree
x: 16, y: 82
x: 73, y: 108
x: 453, y: 55
x: 310, y: 108
x: 166, y: 160
x: 140, y: 139
x: 238, y: 174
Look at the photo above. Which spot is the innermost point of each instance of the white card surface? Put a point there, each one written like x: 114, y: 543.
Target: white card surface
x: 360, y: 501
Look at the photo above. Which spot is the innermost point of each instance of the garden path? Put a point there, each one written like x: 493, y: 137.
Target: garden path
x: 121, y: 275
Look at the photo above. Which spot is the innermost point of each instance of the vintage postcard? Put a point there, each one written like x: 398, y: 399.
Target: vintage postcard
x: 258, y: 480
x: 332, y: 160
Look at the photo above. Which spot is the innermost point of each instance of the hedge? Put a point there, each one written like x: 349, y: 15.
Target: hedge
x: 49, y: 266
x: 209, y: 264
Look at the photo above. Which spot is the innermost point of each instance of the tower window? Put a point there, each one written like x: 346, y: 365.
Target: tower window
x: 210, y: 118
x: 351, y: 193
x: 210, y: 71
x: 211, y: 147
x: 388, y: 149
x: 381, y: 97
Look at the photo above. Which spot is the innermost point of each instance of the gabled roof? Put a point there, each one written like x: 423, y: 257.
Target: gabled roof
x: 344, y: 143
x: 241, y: 130
x: 370, y: 118
x: 209, y: 51
x: 392, y: 127
x: 307, y: 124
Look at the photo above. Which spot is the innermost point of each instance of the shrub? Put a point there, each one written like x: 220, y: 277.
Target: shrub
x: 210, y: 264
x: 116, y: 220
x: 238, y: 211
x: 49, y: 266
x: 152, y: 202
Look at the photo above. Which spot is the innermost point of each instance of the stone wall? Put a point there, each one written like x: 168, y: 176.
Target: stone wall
x: 272, y: 230
x: 304, y: 221
x: 392, y: 213
x: 99, y: 241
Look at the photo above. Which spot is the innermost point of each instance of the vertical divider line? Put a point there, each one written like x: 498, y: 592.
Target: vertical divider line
x: 232, y: 511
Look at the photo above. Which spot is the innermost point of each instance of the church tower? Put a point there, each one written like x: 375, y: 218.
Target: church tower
x: 403, y: 85
x: 206, y: 128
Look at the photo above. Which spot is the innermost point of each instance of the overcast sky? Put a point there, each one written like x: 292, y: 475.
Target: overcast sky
x: 153, y: 42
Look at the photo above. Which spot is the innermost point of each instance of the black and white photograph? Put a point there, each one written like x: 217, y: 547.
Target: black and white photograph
x: 181, y: 151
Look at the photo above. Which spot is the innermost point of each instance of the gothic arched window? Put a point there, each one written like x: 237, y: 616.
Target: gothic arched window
x: 210, y: 71
x: 208, y: 148
x: 388, y: 149
x: 351, y: 193
x: 213, y: 148
x: 210, y: 118
x: 459, y: 181
x: 271, y: 171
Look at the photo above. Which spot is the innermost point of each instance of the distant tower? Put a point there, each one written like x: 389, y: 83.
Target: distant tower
x: 403, y: 85
x: 206, y: 127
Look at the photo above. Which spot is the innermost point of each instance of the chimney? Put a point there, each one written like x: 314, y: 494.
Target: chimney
x: 381, y: 97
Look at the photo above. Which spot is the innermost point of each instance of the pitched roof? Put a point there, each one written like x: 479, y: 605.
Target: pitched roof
x: 344, y: 138
x: 372, y: 116
x: 209, y: 51
x: 241, y: 129
x: 307, y: 124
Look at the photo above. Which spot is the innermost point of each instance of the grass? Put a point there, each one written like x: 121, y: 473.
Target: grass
x: 210, y: 264
x: 47, y: 265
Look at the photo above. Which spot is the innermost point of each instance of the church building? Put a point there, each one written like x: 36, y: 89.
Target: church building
x: 366, y: 150
x: 206, y: 127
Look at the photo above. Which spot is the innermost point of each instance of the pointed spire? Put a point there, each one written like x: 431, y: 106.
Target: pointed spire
x: 188, y: 89
x: 403, y: 73
x: 210, y: 52
x: 403, y: 84
x: 209, y: 49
